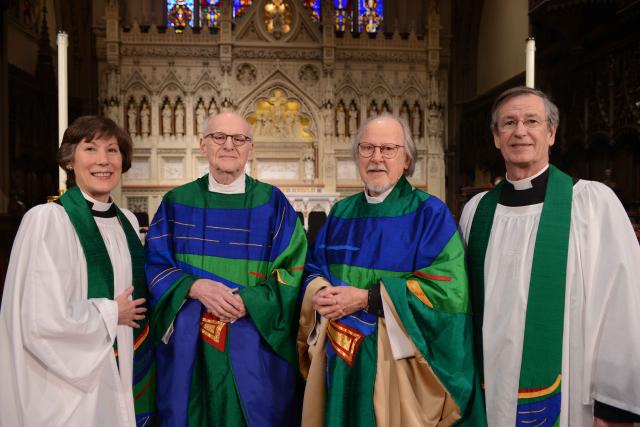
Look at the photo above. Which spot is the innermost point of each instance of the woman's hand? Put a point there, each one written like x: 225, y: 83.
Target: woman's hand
x: 129, y: 311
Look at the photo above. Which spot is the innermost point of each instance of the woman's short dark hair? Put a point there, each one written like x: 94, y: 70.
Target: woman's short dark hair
x: 88, y: 128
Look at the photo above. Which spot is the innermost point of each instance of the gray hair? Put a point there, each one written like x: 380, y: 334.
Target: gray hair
x: 551, y: 110
x: 409, y: 146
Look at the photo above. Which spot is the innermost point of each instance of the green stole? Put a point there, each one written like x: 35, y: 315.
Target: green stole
x: 100, y: 282
x: 540, y: 373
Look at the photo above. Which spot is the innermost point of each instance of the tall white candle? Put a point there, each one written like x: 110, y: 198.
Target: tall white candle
x: 63, y: 99
x: 530, y: 62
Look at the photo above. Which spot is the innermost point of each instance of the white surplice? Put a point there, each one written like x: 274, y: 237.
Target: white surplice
x: 57, y: 365
x: 601, y: 340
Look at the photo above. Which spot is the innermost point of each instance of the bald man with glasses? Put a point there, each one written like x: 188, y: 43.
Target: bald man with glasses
x: 385, y: 332
x: 225, y: 255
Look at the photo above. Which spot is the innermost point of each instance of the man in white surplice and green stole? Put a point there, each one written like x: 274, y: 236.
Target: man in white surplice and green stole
x: 385, y: 331
x: 554, y: 267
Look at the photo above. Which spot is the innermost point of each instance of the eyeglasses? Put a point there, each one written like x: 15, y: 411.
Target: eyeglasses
x: 509, y: 124
x: 220, y: 138
x: 388, y: 151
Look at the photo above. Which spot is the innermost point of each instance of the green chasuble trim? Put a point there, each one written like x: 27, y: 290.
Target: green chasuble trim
x: 542, y: 348
x: 196, y: 194
x: 356, y: 206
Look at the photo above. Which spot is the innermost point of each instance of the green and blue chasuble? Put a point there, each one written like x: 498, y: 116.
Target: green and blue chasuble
x: 410, y: 243
x: 100, y: 285
x: 210, y: 372
x: 539, y: 394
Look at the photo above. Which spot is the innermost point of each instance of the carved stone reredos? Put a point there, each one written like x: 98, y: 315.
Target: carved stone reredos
x: 304, y: 90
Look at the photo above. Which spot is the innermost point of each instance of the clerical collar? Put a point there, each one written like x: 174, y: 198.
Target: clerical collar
x: 526, y: 183
x: 100, y: 209
x: 377, y: 199
x: 524, y: 192
x: 236, y: 187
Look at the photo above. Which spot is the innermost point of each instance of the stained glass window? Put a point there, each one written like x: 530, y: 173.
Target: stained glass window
x: 240, y: 7
x: 180, y: 14
x: 370, y: 16
x: 314, y: 8
x: 343, y: 15
x: 210, y: 12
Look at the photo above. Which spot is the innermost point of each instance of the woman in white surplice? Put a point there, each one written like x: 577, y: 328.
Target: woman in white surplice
x: 57, y: 361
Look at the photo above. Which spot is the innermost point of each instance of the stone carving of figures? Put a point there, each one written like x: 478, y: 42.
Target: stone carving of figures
x: 309, y: 158
x: 415, y: 121
x: 326, y: 117
x: 404, y: 114
x: 213, y: 109
x: 278, y: 114
x: 373, y: 110
x: 267, y: 127
x: 200, y: 116
x: 132, y: 116
x: 353, y: 120
x: 259, y: 126
x: 340, y: 120
x: 179, y: 115
x: 289, y: 127
x: 385, y: 108
x: 166, y: 119
x: 298, y: 129
x: 144, y: 120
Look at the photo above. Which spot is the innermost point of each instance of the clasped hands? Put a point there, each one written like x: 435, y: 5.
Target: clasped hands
x: 334, y: 302
x: 220, y: 300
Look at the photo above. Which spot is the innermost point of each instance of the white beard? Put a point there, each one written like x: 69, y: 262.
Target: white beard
x: 375, y: 190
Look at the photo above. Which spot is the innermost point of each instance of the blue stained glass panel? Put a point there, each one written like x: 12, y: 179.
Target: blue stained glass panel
x: 210, y: 10
x: 180, y: 14
x: 343, y: 15
x: 370, y: 15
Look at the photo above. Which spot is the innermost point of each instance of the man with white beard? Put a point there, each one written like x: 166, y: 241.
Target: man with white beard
x: 385, y: 329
